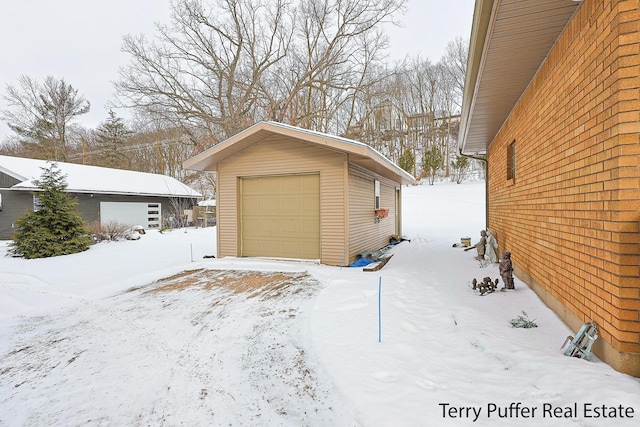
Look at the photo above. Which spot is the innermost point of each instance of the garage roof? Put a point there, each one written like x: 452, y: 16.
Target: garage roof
x: 94, y: 179
x: 359, y: 153
x: 510, y: 39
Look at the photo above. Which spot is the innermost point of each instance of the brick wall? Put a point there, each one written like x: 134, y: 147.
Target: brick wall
x: 571, y: 215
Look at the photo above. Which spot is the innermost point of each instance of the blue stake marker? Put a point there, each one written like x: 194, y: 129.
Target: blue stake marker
x: 379, y: 312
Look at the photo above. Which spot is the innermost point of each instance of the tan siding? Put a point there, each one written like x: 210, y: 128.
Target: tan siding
x: 227, y: 204
x: 364, y: 233
x: 280, y: 216
x: 280, y: 155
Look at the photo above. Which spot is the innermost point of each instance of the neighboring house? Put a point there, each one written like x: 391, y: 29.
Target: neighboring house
x: 552, y: 99
x: 103, y: 194
x: 391, y: 131
x: 287, y: 192
x: 204, y: 214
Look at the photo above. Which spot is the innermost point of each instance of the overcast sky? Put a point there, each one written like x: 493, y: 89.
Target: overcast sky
x: 79, y: 40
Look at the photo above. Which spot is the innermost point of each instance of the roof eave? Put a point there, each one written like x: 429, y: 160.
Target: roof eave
x: 115, y: 193
x: 498, y: 73
x: 12, y: 174
x: 479, y: 28
x: 209, y: 159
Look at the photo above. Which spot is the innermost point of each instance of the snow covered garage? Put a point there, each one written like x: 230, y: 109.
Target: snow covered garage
x: 287, y: 192
x: 103, y: 194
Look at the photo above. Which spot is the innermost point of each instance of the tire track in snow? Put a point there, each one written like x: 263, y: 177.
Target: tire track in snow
x: 165, y: 358
x: 21, y: 281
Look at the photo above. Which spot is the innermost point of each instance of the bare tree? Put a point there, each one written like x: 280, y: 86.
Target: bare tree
x: 204, y: 70
x: 411, y: 111
x: 455, y: 66
x: 334, y: 48
x: 40, y: 114
x: 221, y: 67
x: 159, y: 149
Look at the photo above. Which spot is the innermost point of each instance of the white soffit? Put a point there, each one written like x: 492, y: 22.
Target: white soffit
x: 509, y: 42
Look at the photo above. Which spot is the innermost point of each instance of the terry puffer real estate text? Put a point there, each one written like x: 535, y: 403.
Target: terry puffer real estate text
x: 546, y: 410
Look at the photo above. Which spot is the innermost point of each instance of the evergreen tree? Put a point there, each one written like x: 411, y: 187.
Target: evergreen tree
x: 431, y: 161
x: 54, y: 227
x: 407, y: 160
x: 110, y: 137
x: 460, y: 167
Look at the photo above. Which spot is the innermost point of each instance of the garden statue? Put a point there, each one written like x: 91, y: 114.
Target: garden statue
x: 484, y: 287
x: 506, y: 271
x: 491, y: 248
x: 480, y: 246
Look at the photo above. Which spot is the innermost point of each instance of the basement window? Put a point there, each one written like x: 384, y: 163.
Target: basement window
x: 511, y: 161
x: 376, y: 191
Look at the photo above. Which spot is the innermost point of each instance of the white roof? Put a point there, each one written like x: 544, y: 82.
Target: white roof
x: 95, y: 179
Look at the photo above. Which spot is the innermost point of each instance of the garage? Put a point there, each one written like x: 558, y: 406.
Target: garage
x: 280, y: 216
x: 288, y: 192
x: 145, y: 214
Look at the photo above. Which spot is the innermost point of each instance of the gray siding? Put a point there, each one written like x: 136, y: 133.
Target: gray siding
x: 16, y: 204
x: 7, y: 181
x: 89, y: 205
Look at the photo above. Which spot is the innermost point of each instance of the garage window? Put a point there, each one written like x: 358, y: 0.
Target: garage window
x: 376, y: 190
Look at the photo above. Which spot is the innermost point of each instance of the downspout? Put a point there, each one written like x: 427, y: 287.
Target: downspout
x: 486, y: 183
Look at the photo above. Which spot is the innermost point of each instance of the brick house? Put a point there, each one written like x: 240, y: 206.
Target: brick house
x: 552, y: 102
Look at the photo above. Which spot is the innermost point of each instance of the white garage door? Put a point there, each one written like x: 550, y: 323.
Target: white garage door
x: 129, y: 213
x: 280, y: 216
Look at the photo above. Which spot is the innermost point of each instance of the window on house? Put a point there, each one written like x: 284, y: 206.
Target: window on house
x: 376, y: 191
x: 511, y: 161
x: 36, y: 203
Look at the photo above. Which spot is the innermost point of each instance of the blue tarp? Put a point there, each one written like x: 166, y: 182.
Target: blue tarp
x: 361, y: 262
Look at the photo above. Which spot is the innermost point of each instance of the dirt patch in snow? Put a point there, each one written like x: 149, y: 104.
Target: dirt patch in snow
x: 251, y: 283
x: 202, y: 347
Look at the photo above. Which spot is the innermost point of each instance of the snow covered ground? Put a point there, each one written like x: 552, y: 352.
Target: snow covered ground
x: 149, y: 333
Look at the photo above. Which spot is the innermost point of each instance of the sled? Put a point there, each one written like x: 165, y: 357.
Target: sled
x: 580, y: 345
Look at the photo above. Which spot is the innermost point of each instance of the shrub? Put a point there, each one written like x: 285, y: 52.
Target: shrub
x: 523, y: 321
x: 431, y: 162
x: 407, y: 160
x: 110, y: 230
x: 460, y: 168
x: 55, y: 227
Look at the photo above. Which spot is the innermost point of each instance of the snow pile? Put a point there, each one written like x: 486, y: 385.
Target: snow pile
x: 98, y: 338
